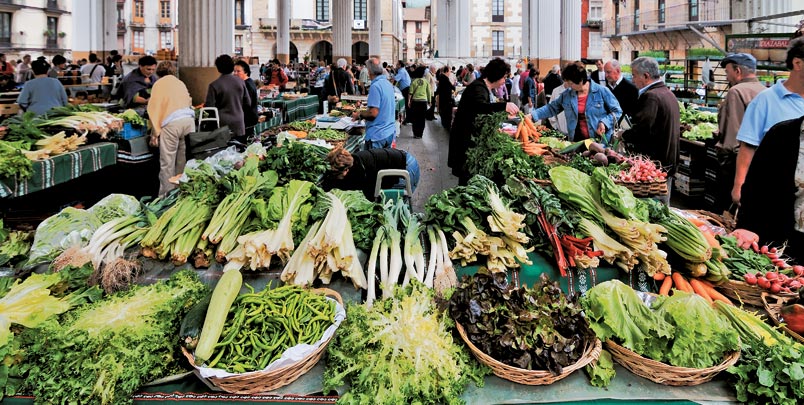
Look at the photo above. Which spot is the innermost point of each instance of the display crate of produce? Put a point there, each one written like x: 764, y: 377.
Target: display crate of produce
x: 132, y: 131
x: 773, y: 305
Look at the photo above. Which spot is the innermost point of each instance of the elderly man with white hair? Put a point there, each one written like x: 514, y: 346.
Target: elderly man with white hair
x: 339, y: 82
x: 381, y: 104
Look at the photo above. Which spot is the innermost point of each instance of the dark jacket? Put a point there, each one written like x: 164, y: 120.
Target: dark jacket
x: 135, y: 84
x: 363, y: 173
x: 656, y: 126
x: 769, y: 192
x: 339, y: 78
x: 444, y: 90
x: 228, y: 93
x: 250, y: 116
x: 552, y: 81
x: 627, y: 95
x: 475, y: 101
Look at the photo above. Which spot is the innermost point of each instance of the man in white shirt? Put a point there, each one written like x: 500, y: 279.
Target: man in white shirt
x: 515, y: 90
x: 92, y: 72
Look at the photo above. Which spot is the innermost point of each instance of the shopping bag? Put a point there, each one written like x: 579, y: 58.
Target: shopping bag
x: 203, y: 144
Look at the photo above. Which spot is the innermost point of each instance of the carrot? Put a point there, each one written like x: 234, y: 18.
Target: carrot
x: 524, y: 134
x: 681, y: 283
x: 715, y: 294
x: 697, y: 222
x: 659, y: 276
x: 667, y: 284
x: 700, y: 289
x: 518, y: 132
x: 710, y: 239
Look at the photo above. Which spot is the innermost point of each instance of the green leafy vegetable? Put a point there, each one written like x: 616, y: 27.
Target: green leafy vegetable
x: 399, y: 352
x: 115, y: 206
x: 132, y: 117
x: 13, y: 163
x: 700, y: 132
x: 296, y: 160
x: 619, y: 198
x: 497, y: 156
x: 14, y: 246
x: 601, y: 371
x: 365, y: 216
x: 70, y: 227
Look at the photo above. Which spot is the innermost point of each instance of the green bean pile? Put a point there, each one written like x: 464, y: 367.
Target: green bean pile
x: 327, y: 134
x: 261, y: 326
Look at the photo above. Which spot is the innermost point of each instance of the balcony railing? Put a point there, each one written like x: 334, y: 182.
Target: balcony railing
x: 52, y: 43
x: 674, y: 16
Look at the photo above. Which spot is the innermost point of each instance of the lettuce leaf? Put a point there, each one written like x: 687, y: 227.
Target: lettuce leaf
x: 619, y: 198
x: 601, y: 371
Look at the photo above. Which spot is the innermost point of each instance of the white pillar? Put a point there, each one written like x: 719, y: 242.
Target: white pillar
x: 283, y: 31
x: 206, y: 30
x: 342, y: 19
x: 464, y: 28
x: 454, y: 30
x: 94, y: 27
x: 375, y: 28
x: 570, y: 30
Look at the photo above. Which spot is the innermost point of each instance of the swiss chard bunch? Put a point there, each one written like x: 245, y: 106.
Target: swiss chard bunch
x: 496, y: 156
x: 450, y: 206
x: 534, y: 329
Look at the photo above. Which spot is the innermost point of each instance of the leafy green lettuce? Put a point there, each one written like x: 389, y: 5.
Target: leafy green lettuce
x: 619, y: 198
x: 69, y: 227
x: 601, y: 371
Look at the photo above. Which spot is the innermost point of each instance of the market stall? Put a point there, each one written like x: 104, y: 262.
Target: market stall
x: 294, y: 107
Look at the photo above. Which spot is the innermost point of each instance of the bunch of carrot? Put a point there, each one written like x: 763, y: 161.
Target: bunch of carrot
x: 695, y: 286
x: 525, y: 132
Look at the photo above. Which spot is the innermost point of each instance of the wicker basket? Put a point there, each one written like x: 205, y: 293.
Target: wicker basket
x: 773, y: 304
x: 256, y: 382
x: 530, y: 377
x: 665, y: 374
x: 645, y: 189
x: 747, y: 293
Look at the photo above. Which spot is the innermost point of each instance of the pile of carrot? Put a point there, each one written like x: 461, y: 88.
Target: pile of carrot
x: 695, y: 286
x: 525, y: 132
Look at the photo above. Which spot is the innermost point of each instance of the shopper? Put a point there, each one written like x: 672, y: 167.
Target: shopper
x: 656, y: 128
x: 476, y: 100
x: 172, y: 118
x: 358, y: 171
x: 419, y: 95
x: 228, y: 94
x: 783, y: 101
x: 337, y: 83
x: 402, y: 81
x: 93, y: 72
x: 469, y: 76
x: 58, y: 68
x: 744, y: 86
x: 515, y: 93
x: 24, y: 72
x: 528, y: 96
x: 250, y: 115
x: 276, y: 75
x: 552, y: 81
x: 379, y: 116
x: 134, y: 89
x: 431, y: 75
x: 41, y: 93
x: 444, y: 98
x: 590, y: 109
x: 6, y: 68
x: 622, y: 88
x: 599, y: 75
x: 317, y: 80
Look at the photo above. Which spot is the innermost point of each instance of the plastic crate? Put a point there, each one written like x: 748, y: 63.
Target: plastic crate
x: 130, y: 131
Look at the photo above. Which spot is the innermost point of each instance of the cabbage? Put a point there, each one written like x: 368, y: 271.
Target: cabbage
x: 115, y: 206
x: 68, y: 228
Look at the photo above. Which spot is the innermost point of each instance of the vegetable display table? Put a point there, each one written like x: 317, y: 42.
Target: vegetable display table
x: 269, y: 123
x: 61, y: 168
x: 302, y: 108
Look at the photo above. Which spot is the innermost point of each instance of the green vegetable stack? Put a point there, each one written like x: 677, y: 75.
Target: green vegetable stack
x: 533, y: 329
x: 327, y: 134
x: 14, y: 246
x: 399, y: 352
x: 497, y: 156
x: 261, y: 326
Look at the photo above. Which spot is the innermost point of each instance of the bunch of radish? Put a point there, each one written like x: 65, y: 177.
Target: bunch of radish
x: 642, y: 170
x: 787, y: 279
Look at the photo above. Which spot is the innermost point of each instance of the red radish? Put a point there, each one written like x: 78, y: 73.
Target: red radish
x: 794, y: 285
x: 772, y: 250
x: 763, y: 282
x: 779, y: 263
x: 775, y: 288
x: 772, y: 256
x: 798, y: 270
x: 764, y: 249
x: 771, y: 276
x: 751, y: 279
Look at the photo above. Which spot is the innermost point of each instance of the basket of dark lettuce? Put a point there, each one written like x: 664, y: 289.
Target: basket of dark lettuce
x: 532, y: 336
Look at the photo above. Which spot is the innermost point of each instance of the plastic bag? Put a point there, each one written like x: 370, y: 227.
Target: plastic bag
x: 115, y: 206
x: 70, y: 227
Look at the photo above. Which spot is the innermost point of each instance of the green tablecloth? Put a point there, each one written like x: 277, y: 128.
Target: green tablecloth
x: 269, y: 123
x: 302, y: 108
x: 60, y: 169
x: 400, y: 108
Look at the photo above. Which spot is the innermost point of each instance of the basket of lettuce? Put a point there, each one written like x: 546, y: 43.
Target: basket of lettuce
x: 531, y: 336
x: 678, y: 340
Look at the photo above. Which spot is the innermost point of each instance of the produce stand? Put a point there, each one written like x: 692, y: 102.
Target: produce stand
x: 302, y: 108
x: 61, y: 168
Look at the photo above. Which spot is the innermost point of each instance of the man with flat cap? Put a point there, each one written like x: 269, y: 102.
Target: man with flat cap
x: 743, y: 87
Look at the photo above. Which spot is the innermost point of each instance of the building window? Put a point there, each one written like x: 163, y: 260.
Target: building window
x: 418, y: 27
x: 166, y: 39
x: 595, y: 11
x: 240, y: 11
x: 616, y: 17
x: 52, y: 31
x: 139, y: 8
x: 360, y: 10
x: 636, y: 15
x: 238, y: 43
x: 662, y: 11
x: 322, y: 10
x: 595, y: 50
x: 139, y: 41
x: 693, y: 10
x: 497, y: 43
x: 164, y: 9
x: 497, y: 10
x: 5, y: 28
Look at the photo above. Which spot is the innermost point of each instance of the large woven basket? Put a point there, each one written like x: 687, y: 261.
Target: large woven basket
x: 666, y: 374
x: 257, y: 382
x: 645, y: 189
x: 746, y: 293
x: 773, y: 305
x: 530, y: 377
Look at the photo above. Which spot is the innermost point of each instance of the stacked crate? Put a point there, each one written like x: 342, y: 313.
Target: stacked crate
x: 690, y: 175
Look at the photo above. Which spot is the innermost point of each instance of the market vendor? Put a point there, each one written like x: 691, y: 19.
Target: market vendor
x: 590, y: 109
x: 41, y: 93
x: 380, y: 122
x: 135, y: 89
x: 358, y: 171
x: 772, y: 203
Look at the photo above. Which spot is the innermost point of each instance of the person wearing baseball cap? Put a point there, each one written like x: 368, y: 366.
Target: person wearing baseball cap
x: 743, y: 87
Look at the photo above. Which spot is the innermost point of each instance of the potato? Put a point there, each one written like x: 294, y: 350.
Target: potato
x: 601, y: 158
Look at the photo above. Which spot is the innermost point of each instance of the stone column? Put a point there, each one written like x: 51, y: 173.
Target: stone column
x: 95, y: 28
x: 570, y: 30
x: 375, y: 28
x: 206, y: 30
x: 541, y: 32
x: 454, y: 30
x: 342, y: 19
x: 464, y: 28
x: 283, y: 31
